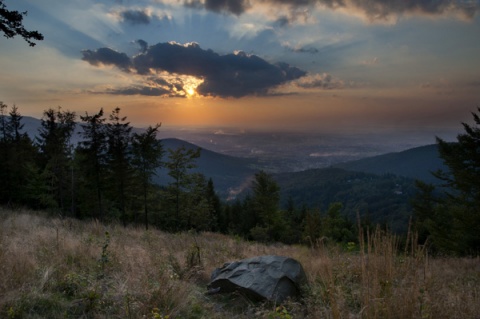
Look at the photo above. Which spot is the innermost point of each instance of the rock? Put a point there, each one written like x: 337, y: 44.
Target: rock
x: 274, y: 278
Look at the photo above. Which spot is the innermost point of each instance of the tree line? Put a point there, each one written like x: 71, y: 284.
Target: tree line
x: 108, y: 176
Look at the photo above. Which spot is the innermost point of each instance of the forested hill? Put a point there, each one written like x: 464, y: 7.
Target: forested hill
x: 417, y: 163
x: 382, y: 199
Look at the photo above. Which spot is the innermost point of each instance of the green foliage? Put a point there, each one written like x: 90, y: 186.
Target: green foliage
x: 147, y: 154
x: 104, y: 258
x: 17, y: 152
x: 280, y: 313
x: 56, y: 155
x: 91, y: 154
x: 268, y: 222
x: 450, y: 221
x: 180, y: 192
x: 119, y: 172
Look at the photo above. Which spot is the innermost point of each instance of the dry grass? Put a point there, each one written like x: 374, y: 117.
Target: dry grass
x: 52, y: 268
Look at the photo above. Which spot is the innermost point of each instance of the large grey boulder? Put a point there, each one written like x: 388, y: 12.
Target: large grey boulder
x: 264, y: 277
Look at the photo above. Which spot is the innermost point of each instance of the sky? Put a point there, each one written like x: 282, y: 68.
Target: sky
x: 333, y: 65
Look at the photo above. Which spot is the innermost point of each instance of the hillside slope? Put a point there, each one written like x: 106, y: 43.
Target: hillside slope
x: 416, y: 163
x: 383, y: 199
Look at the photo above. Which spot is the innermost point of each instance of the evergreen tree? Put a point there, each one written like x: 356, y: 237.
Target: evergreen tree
x: 147, y: 158
x: 337, y: 227
x: 91, y: 154
x: 16, y: 152
x: 215, y: 207
x: 313, y: 227
x: 454, y: 219
x: 180, y: 162
x: 197, y: 209
x: 118, y: 133
x: 270, y: 224
x: 56, y: 152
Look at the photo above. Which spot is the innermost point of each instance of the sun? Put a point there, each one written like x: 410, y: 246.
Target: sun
x: 190, y: 91
x: 190, y: 85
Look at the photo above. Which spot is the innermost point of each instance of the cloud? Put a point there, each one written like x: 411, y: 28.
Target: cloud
x: 322, y: 81
x: 106, y: 56
x: 236, y: 7
x: 143, y: 45
x: 140, y: 90
x: 310, y: 50
x: 374, y: 10
x: 230, y: 75
x: 135, y: 17
x: 372, y: 61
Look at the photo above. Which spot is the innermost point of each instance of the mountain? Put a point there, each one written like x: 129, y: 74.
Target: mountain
x: 228, y: 173
x: 416, y: 163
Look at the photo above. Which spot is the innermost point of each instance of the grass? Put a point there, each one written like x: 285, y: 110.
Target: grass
x: 65, y: 268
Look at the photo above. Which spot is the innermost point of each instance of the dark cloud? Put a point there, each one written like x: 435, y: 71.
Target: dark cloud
x: 381, y: 10
x: 230, y: 75
x: 236, y: 7
x: 135, y: 17
x: 143, y: 45
x: 140, y: 90
x: 302, y: 49
x: 373, y: 9
x: 106, y: 56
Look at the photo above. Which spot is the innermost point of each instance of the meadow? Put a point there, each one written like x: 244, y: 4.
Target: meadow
x: 65, y: 268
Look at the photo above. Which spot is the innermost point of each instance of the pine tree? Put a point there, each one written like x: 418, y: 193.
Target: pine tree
x: 147, y: 158
x: 265, y: 200
x: 462, y: 180
x: 16, y: 152
x: 215, y: 214
x: 56, y: 152
x: 118, y: 133
x: 451, y: 220
x: 180, y: 162
x: 91, y: 154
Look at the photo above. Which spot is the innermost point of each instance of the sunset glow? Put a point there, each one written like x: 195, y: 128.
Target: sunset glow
x: 309, y: 65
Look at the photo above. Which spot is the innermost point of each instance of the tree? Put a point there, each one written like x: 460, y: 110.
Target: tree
x: 16, y: 152
x: 147, y: 157
x: 463, y: 162
x: 56, y: 151
x: 92, y: 158
x: 454, y: 219
x: 11, y: 24
x: 337, y: 227
x: 180, y: 162
x: 215, y: 207
x: 265, y: 200
x: 118, y: 133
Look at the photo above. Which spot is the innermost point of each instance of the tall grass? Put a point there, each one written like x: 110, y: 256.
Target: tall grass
x: 64, y: 268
